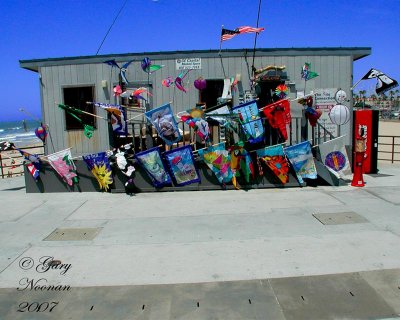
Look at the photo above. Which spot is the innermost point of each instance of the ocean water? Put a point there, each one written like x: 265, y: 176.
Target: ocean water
x: 18, y: 133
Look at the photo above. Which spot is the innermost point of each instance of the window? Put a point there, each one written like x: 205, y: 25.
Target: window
x: 212, y: 92
x: 77, y: 97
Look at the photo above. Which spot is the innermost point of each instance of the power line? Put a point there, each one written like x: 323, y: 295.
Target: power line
x: 112, y: 24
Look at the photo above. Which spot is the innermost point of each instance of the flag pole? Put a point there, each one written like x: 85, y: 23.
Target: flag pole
x: 255, y: 39
x: 352, y: 88
x: 219, y: 53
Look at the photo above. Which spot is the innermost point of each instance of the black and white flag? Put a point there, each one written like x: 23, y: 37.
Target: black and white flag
x: 385, y: 83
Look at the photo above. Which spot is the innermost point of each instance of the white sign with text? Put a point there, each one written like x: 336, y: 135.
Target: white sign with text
x: 188, y: 63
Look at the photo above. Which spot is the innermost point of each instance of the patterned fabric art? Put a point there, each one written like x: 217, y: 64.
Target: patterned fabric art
x: 182, y: 166
x: 219, y: 161
x: 99, y: 165
x: 275, y: 159
x: 301, y: 159
x: 61, y: 161
x: 278, y: 115
x: 152, y: 163
x: 241, y: 163
x: 164, y: 121
x: 250, y: 121
x: 334, y: 157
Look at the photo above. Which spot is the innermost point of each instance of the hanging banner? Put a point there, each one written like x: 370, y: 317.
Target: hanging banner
x: 99, y: 165
x: 164, y: 121
x: 182, y: 166
x: 62, y: 162
x: 151, y: 161
x: 334, y: 157
x: 250, y: 121
x: 302, y: 160
x: 275, y: 159
x: 218, y: 160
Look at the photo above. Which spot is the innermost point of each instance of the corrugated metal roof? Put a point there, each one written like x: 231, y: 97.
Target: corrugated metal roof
x: 356, y: 52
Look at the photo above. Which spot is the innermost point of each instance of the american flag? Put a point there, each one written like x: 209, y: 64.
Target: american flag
x: 229, y: 34
x: 247, y: 29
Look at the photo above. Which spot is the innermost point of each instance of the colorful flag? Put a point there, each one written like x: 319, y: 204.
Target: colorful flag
x: 250, y: 121
x: 164, y: 121
x: 306, y: 73
x: 195, y: 119
x: 182, y: 165
x: 334, y: 157
x: 275, y: 159
x: 62, y: 162
x: 34, y: 163
x: 117, y: 115
x: 151, y: 161
x: 278, y: 115
x: 241, y: 163
x: 99, y: 165
x: 385, y: 83
x: 229, y: 34
x: 302, y: 161
x: 218, y: 160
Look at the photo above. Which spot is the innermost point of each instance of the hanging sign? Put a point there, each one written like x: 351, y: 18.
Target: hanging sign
x: 188, y: 63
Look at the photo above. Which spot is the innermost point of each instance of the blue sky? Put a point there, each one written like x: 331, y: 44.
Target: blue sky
x: 43, y: 29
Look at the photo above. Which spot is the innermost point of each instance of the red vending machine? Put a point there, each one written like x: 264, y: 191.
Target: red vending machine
x: 366, y: 122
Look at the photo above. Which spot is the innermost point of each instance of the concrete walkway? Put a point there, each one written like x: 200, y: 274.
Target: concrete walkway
x: 301, y: 253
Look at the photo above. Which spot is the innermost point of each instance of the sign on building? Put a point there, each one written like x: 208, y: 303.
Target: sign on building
x: 189, y: 63
x: 325, y: 101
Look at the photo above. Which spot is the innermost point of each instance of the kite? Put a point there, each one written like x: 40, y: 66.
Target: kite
x: 122, y: 70
x: 99, y: 165
x: 275, y: 159
x: 164, y: 122
x: 182, y: 165
x: 302, y: 161
x: 149, y: 67
x: 167, y: 82
x: 117, y: 90
x: 195, y: 119
x: 306, y: 73
x: 87, y: 129
x: 278, y: 115
x: 219, y: 161
x: 282, y: 91
x: 41, y: 132
x: 250, y: 121
x: 151, y: 161
x: 310, y: 113
x: 241, y: 163
x: 62, y: 162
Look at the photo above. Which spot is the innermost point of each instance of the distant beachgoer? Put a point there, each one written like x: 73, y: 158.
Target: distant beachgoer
x: 25, y: 125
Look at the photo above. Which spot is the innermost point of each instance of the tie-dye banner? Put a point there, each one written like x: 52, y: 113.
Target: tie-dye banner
x: 182, y: 166
x: 334, y: 157
x: 62, y: 162
x: 302, y: 161
x: 250, y: 121
x: 275, y: 159
x: 151, y: 161
x: 164, y: 121
x: 219, y: 161
x: 99, y: 165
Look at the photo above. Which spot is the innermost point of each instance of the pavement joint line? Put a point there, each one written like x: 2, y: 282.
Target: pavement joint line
x: 26, y: 249
x: 328, y: 193
x: 380, y: 197
x: 27, y: 213
x: 76, y: 209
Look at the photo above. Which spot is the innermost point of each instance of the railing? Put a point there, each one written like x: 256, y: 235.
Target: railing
x: 12, y: 159
x: 319, y: 132
x: 389, y: 147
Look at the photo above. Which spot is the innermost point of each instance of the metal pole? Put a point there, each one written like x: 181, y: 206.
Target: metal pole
x: 393, y: 149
